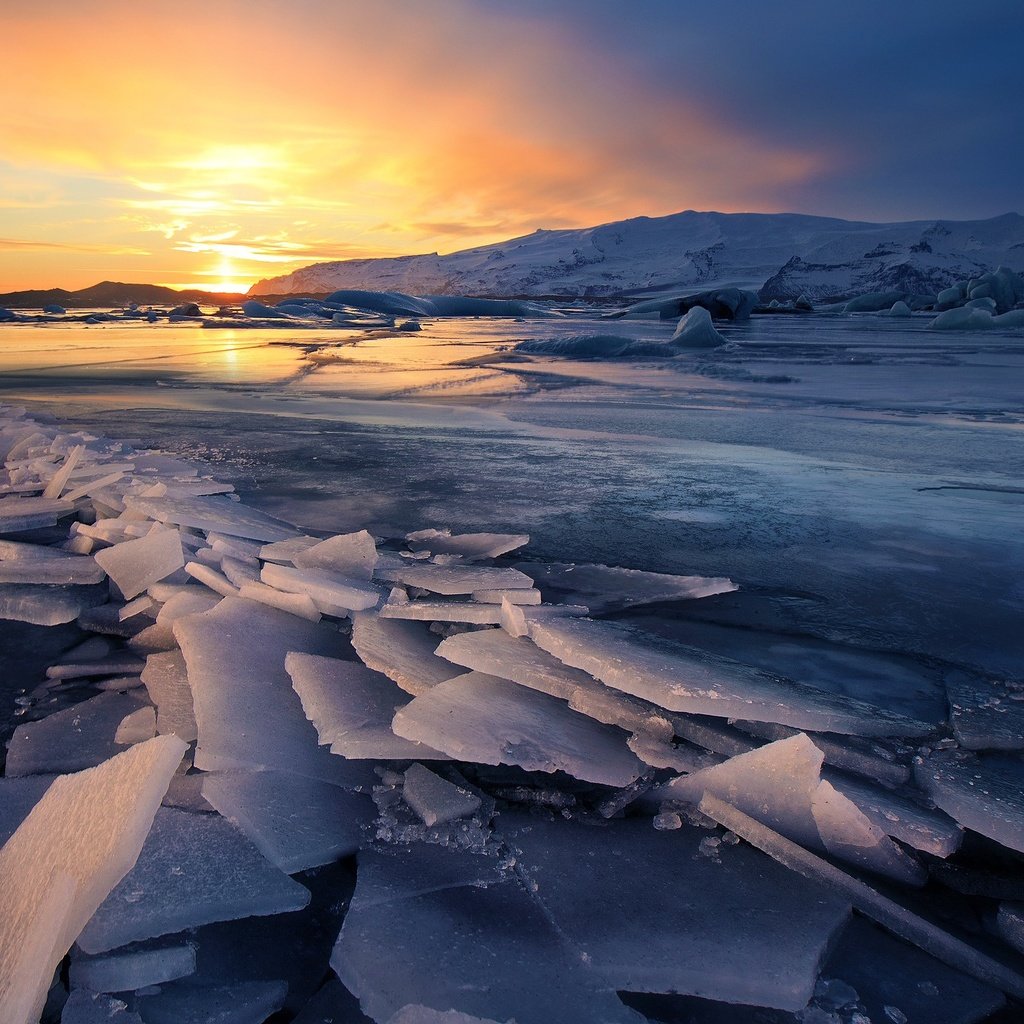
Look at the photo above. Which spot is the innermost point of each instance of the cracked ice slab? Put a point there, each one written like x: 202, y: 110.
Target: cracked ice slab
x: 351, y: 708
x: 477, y: 717
x: 712, y: 918
x: 222, y: 515
x: 76, y: 845
x: 423, y: 930
x: 247, y: 714
x: 331, y: 592
x: 193, y: 869
x: 682, y: 678
x: 135, y: 565
x: 34, y: 563
x: 401, y: 650
x: 470, y: 546
x: 454, y: 579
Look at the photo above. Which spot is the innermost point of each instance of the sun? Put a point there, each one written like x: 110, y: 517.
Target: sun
x: 226, y: 277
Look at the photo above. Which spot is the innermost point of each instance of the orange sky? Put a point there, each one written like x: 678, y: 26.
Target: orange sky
x: 212, y: 144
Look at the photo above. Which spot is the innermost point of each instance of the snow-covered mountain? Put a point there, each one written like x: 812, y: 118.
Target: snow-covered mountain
x: 785, y: 253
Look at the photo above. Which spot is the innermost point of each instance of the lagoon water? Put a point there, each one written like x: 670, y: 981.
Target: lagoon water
x: 861, y: 478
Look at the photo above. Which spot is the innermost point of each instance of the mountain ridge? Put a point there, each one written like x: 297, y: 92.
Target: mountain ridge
x: 691, y: 249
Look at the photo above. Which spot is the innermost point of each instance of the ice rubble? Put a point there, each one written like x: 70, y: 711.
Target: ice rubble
x: 517, y: 781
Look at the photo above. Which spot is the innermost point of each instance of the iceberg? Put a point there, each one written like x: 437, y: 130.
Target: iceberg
x: 695, y: 330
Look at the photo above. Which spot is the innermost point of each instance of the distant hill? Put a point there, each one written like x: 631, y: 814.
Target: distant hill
x: 783, y: 255
x: 114, y: 294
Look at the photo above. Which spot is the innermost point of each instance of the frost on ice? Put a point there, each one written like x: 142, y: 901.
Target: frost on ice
x: 492, y: 799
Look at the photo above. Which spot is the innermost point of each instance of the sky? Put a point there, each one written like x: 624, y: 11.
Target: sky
x: 210, y: 144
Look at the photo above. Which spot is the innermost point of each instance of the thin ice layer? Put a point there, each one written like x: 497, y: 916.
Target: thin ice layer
x: 247, y: 714
x: 331, y: 592
x: 985, y: 714
x: 603, y: 587
x: 137, y: 564
x: 351, y: 708
x: 403, y: 651
x: 213, y: 513
x: 470, y: 546
x: 477, y: 717
x: 193, y: 869
x: 243, y: 1002
x: 682, y: 678
x: 983, y: 793
x: 351, y: 554
x: 712, y: 920
x: 73, y: 848
x: 136, y: 967
x: 455, y: 579
x: 421, y: 929
x: 166, y: 681
x: 294, y: 821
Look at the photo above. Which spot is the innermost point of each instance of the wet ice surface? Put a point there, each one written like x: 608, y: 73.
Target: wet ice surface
x: 860, y: 481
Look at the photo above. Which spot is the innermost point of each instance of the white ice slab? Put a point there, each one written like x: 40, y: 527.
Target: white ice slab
x: 353, y: 555
x: 133, y: 968
x: 295, y: 604
x: 476, y: 717
x: 194, y: 869
x: 351, y: 708
x: 403, y: 651
x: 166, y: 680
x: 985, y: 714
x: 242, y: 1002
x: 471, y: 546
x: 682, y: 678
x: 214, y: 513
x: 331, y: 592
x: 73, y: 848
x: 34, y: 563
x: 136, y: 564
x: 294, y: 821
x: 85, y: 1007
x: 247, y: 714
x: 455, y: 579
x: 434, y: 799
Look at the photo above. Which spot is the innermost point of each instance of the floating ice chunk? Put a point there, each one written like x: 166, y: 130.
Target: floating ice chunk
x: 353, y: 555
x: 471, y: 546
x: 243, y: 1002
x: 434, y: 799
x: 455, y: 579
x: 209, y: 577
x: 187, y: 600
x: 496, y: 653
x: 295, y: 822
x: 34, y: 563
x: 982, y: 793
x: 984, y: 714
x: 44, y: 605
x: 136, y: 727
x: 682, y: 678
x: 131, y: 969
x: 238, y: 572
x: 695, y: 330
x: 139, y: 606
x: 85, y: 1007
x: 73, y: 848
x: 455, y: 945
x: 193, y: 869
x: 403, y: 651
x: 779, y: 785
x: 899, y: 817
x: 136, y: 564
x: 711, y: 921
x: 235, y: 546
x: 331, y: 592
x: 296, y: 604
x: 286, y: 550
x: 351, y: 708
x: 78, y: 737
x: 963, y: 319
x: 900, y: 309
x: 869, y: 902
x: 476, y: 717
x: 18, y: 514
x: 247, y: 714
x: 214, y: 513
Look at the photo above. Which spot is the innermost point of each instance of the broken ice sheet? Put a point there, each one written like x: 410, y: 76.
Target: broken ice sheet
x: 247, y: 714
x: 47, y: 605
x: 780, y: 785
x: 434, y: 799
x: 682, y: 678
x: 166, y: 681
x: 76, y: 844
x: 353, y: 555
x: 295, y: 822
x: 35, y: 563
x: 243, y: 1002
x: 17, y: 797
x: 193, y: 869
x: 135, y: 565
x: 134, y: 967
x: 85, y: 1007
x: 606, y: 587
x: 452, y: 580
x: 711, y: 922
x: 471, y: 546
x: 422, y: 929
x: 477, y: 717
x: 985, y: 714
x: 78, y: 737
x: 403, y: 651
x: 214, y: 513
x: 984, y: 793
x: 331, y: 592
x: 351, y: 708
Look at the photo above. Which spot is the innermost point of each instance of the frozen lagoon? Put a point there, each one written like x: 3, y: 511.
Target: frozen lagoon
x: 582, y: 460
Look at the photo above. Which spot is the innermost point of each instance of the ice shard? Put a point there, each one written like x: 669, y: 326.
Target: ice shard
x: 77, y: 844
x: 452, y: 580
x: 403, y: 651
x: 353, y: 555
x: 214, y: 513
x: 126, y: 970
x: 135, y: 565
x: 470, y: 546
x: 331, y: 592
x: 166, y: 681
x: 434, y: 799
x: 476, y: 717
